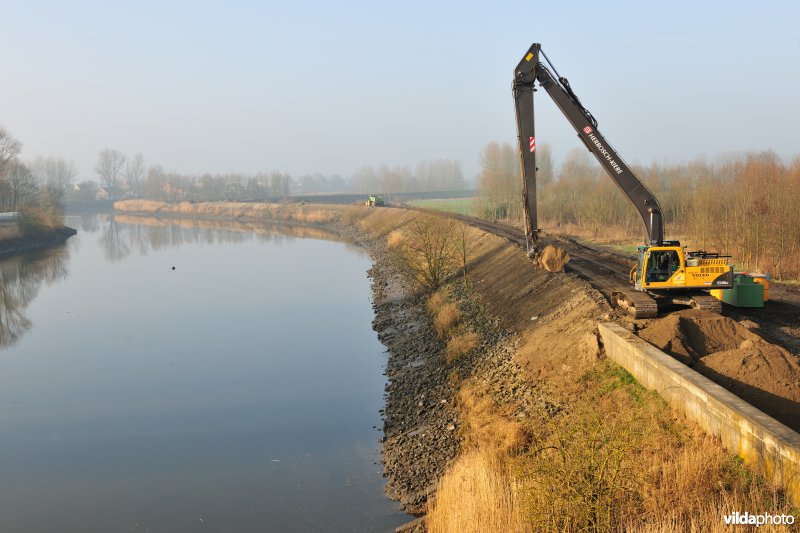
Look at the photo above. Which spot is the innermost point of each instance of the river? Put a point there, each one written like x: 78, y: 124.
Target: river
x: 190, y: 377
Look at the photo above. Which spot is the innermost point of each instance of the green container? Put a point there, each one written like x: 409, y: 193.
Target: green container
x: 745, y: 292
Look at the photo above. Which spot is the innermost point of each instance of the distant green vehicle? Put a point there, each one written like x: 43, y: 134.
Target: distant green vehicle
x: 375, y: 200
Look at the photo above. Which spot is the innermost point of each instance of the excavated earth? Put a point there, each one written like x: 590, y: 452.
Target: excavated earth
x: 727, y: 352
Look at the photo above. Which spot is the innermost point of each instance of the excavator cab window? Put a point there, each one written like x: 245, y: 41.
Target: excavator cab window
x: 662, y: 265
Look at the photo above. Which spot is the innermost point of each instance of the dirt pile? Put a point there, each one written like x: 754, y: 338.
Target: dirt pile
x: 691, y: 335
x: 553, y: 258
x: 723, y: 350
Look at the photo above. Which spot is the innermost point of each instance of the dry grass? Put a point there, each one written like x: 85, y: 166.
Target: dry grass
x: 435, y: 302
x: 697, y: 486
x: 380, y: 222
x: 488, y: 426
x: 460, y: 344
x: 352, y: 214
x: 394, y: 240
x: 478, y: 494
x: 304, y: 213
x: 446, y: 319
x: 619, y: 459
x: 616, y: 460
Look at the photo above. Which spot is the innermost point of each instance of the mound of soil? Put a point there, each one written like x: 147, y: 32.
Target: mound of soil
x: 765, y: 375
x: 691, y: 335
x: 553, y: 258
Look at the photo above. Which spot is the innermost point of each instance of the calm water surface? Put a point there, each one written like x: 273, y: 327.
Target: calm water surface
x: 237, y: 392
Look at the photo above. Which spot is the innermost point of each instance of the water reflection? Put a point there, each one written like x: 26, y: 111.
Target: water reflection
x: 123, y: 235
x: 120, y: 236
x: 22, y: 277
x: 20, y: 281
x: 239, y: 392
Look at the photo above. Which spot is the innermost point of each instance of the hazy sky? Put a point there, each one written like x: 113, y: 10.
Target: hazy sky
x: 331, y: 86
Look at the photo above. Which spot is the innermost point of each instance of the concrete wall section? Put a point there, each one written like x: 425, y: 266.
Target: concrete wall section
x: 765, y: 444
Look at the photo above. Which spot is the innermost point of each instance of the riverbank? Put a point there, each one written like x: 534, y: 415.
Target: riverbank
x: 41, y: 238
x: 511, y: 434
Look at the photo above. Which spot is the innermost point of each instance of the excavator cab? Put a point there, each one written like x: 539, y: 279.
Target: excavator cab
x: 662, y: 265
x: 657, y: 267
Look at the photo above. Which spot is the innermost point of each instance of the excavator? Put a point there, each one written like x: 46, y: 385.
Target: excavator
x: 665, y: 273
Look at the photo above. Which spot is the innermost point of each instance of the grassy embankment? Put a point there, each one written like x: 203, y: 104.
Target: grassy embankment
x: 609, y: 456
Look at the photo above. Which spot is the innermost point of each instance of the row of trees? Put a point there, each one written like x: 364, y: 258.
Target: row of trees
x: 35, y: 188
x: 747, y: 206
x: 116, y: 171
x: 500, y: 184
x: 434, y: 175
x: 124, y: 177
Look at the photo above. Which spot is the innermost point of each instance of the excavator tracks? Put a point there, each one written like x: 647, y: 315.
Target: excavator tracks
x: 702, y: 301
x: 638, y: 304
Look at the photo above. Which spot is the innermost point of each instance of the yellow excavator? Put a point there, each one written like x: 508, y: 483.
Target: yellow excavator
x: 665, y: 271
x: 375, y: 200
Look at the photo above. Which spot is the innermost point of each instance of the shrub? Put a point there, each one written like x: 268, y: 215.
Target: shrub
x: 460, y: 345
x: 435, y: 302
x: 446, y: 319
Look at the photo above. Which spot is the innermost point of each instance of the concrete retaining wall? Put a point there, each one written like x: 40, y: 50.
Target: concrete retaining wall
x: 765, y: 444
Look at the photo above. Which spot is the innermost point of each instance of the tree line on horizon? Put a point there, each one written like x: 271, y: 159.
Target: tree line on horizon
x: 49, y: 183
x: 746, y: 206
x: 120, y: 177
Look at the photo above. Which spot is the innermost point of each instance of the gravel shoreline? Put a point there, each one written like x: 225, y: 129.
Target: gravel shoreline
x: 422, y: 425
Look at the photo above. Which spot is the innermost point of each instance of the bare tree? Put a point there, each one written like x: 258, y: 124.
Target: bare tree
x: 109, y: 167
x: 279, y: 185
x: 53, y: 171
x: 427, y: 253
x: 544, y: 166
x: 500, y: 183
x: 155, y: 182
x: 464, y: 247
x: 20, y: 187
x: 9, y: 151
x: 54, y: 176
x: 134, y: 173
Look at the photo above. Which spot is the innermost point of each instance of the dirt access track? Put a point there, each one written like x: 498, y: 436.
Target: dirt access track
x: 751, y: 352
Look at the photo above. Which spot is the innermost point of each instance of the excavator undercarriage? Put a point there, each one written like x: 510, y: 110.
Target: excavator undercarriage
x: 641, y: 304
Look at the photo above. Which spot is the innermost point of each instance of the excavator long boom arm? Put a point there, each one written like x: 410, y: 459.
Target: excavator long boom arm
x: 528, y: 72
